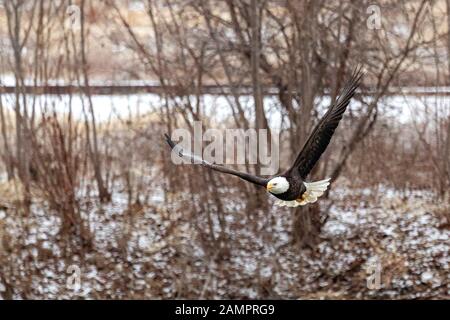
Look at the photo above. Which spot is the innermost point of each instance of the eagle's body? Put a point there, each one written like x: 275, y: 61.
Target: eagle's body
x: 292, y: 191
x: 290, y: 187
x: 295, y: 191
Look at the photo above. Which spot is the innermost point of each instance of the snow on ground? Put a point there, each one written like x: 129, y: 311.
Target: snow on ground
x: 157, y: 253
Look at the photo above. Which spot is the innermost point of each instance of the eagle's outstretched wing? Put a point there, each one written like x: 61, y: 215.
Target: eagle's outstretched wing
x: 197, y: 160
x: 322, y: 133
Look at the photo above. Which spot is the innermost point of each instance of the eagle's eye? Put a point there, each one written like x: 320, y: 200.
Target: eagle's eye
x: 275, y: 184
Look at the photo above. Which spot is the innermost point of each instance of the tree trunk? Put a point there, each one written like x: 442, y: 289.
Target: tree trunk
x: 103, y: 192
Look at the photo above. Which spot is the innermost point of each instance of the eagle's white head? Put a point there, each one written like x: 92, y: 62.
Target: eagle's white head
x: 278, y: 185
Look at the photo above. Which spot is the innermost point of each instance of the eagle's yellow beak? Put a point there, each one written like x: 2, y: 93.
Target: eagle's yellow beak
x: 269, y: 186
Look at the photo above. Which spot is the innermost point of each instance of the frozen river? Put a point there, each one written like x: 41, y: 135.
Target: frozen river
x: 402, y: 108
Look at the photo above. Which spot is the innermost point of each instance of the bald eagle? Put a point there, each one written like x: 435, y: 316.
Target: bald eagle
x: 290, y: 187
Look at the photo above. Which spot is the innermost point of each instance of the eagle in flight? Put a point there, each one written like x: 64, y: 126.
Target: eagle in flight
x: 290, y: 187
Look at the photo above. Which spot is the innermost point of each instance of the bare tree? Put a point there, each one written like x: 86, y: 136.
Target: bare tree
x: 18, y: 37
x: 91, y: 127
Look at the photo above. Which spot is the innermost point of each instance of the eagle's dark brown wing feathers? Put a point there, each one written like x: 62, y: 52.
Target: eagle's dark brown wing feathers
x: 197, y: 160
x: 322, y: 133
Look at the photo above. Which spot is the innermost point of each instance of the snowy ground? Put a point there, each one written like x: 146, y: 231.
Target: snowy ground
x: 157, y: 253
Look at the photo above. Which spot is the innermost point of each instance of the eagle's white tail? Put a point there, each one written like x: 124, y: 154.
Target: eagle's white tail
x: 313, y: 191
